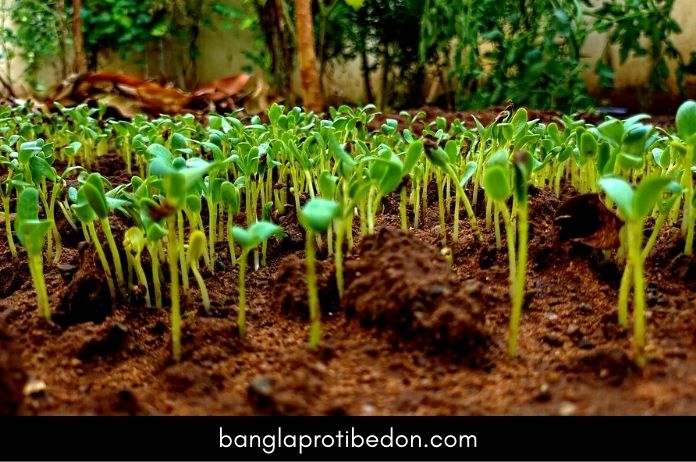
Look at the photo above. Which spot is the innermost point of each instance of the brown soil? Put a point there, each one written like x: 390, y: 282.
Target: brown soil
x: 413, y: 334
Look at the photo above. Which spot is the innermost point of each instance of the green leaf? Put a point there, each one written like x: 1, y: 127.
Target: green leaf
x: 588, y: 144
x: 327, y: 184
x: 469, y: 171
x: 612, y: 130
x: 134, y: 240
x: 356, y: 4
x: 496, y: 182
x: 29, y: 229
x: 244, y: 238
x: 264, y: 230
x: 318, y: 213
x: 621, y: 193
x: 413, y: 153
x: 686, y: 120
x: 256, y: 234
x: 648, y: 192
x: 197, y: 245
x: 438, y: 157
x: 94, y: 193
x: 230, y: 195
x: 158, y: 151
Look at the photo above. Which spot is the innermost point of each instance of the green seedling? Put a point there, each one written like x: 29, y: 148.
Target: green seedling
x: 93, y: 190
x: 231, y: 199
x: 87, y: 216
x: 316, y: 217
x: 441, y: 159
x: 134, y: 243
x: 686, y: 128
x: 196, y: 249
x: 497, y: 186
x: 634, y: 206
x: 249, y: 239
x: 31, y: 232
x: 178, y: 177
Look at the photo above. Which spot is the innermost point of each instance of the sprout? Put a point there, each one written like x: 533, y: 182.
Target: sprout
x: 134, y: 242
x: 496, y: 183
x: 634, y: 205
x: 441, y: 159
x: 31, y: 233
x: 86, y: 214
x: 249, y: 239
x: 93, y: 190
x: 686, y: 128
x: 316, y: 217
x: 178, y: 178
x: 196, y: 249
x: 231, y: 199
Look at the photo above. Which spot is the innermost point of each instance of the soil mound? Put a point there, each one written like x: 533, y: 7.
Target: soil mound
x: 401, y: 283
x: 291, y: 286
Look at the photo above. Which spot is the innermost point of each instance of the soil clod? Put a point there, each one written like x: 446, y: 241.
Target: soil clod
x: 398, y: 282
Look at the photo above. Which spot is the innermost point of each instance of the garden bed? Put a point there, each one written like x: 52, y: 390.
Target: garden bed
x: 387, y: 348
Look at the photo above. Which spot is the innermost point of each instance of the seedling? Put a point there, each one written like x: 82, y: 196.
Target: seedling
x: 178, y: 178
x: 441, y: 159
x: 31, y: 232
x: 250, y: 239
x: 196, y: 249
x: 134, y: 243
x: 316, y: 216
x: 93, y: 190
x: 634, y: 206
x: 686, y: 128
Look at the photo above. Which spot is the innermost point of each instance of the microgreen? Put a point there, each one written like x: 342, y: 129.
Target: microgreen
x: 316, y: 217
x: 250, y: 239
x: 634, y: 205
x: 31, y: 232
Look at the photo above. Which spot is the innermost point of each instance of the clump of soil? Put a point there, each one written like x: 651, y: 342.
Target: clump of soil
x: 396, y: 281
x: 12, y: 375
x: 291, y: 286
x: 292, y: 393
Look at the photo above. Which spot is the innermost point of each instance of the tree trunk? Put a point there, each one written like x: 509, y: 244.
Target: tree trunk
x: 311, y: 90
x: 80, y: 64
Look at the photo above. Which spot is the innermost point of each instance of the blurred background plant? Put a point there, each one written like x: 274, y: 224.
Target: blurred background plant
x: 459, y: 54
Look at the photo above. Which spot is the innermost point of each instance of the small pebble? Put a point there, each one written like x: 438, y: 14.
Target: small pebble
x: 567, y: 409
x: 74, y: 362
x: 585, y: 344
x: 34, y: 387
x: 544, y: 393
x: 368, y: 409
x: 573, y: 329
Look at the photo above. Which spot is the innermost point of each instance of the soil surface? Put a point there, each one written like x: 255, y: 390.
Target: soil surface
x: 418, y: 331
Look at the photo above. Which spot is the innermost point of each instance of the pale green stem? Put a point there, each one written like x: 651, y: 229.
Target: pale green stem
x: 312, y: 292
x: 103, y: 260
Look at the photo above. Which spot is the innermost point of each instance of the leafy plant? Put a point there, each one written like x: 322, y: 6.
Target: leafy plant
x: 249, y: 239
x: 634, y: 205
x: 31, y: 232
x: 134, y: 243
x: 641, y: 28
x: 316, y: 217
x: 196, y: 249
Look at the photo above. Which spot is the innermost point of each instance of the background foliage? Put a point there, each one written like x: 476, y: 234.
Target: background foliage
x: 480, y: 52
